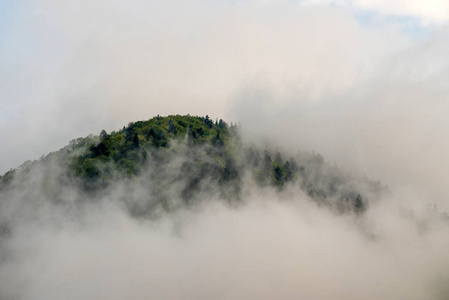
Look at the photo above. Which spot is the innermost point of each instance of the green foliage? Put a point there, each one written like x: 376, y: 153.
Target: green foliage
x: 7, y: 178
x: 205, y: 157
x: 126, y: 151
x: 278, y: 175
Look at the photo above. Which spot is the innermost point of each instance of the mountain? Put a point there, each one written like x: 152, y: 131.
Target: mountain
x: 181, y: 160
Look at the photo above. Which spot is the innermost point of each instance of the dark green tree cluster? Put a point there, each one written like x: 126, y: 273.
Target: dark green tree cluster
x: 125, y: 152
x: 191, y: 157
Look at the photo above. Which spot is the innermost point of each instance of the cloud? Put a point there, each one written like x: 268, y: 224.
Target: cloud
x: 431, y: 12
x: 311, y: 77
x: 370, y: 99
x: 74, y: 69
x: 434, y: 12
x: 389, y: 125
x: 275, y: 245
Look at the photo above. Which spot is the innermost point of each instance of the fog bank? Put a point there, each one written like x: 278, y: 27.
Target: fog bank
x: 277, y: 244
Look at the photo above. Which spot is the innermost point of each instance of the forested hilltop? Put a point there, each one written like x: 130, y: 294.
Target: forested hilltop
x: 178, y: 160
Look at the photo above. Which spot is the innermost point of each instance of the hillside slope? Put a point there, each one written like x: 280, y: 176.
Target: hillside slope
x: 178, y: 160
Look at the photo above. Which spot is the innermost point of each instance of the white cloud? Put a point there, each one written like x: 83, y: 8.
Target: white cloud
x: 390, y: 125
x: 263, y: 250
x: 315, y: 66
x: 311, y: 76
x: 431, y: 12
x: 89, y: 65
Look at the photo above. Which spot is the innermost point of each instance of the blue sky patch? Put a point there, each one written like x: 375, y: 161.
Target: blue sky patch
x: 408, y: 25
x: 6, y: 17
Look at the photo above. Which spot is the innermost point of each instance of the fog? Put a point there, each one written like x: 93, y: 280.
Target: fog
x: 362, y: 82
x: 343, y: 78
x: 58, y: 242
x: 71, y: 69
x: 390, y: 125
x: 265, y: 250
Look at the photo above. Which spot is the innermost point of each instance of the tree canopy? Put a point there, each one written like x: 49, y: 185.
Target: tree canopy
x: 189, y: 156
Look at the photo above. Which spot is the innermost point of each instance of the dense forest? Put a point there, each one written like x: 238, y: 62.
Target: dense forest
x: 182, y: 160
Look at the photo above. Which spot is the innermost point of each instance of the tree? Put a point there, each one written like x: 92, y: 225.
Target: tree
x: 288, y: 171
x: 359, y: 205
x: 278, y: 173
x: 171, y: 127
x: 230, y: 171
x: 222, y: 124
x: 208, y: 122
x: 135, y: 142
x: 217, y: 141
x: 103, y: 135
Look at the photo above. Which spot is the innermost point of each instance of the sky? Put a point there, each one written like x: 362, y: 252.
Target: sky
x: 364, y: 82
